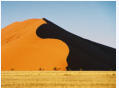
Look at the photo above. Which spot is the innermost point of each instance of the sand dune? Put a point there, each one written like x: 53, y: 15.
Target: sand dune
x: 22, y: 49
x: 38, y: 44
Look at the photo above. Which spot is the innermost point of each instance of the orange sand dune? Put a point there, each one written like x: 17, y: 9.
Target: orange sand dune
x: 22, y: 49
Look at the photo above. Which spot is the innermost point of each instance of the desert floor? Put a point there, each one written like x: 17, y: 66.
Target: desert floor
x: 58, y: 79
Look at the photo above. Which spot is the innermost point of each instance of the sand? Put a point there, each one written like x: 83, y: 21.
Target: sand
x: 22, y: 49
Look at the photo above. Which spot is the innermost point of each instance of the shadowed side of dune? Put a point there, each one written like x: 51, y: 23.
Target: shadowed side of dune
x: 84, y: 54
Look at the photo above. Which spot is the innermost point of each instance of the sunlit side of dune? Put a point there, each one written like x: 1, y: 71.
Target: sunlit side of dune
x: 22, y: 49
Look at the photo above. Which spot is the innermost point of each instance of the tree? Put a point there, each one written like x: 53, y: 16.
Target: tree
x: 40, y: 69
x: 56, y: 68
x: 12, y: 69
x: 68, y: 68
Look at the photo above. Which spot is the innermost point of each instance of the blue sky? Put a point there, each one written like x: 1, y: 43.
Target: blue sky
x: 89, y: 19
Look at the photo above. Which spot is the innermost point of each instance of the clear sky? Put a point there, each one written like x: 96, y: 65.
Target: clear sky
x: 92, y: 20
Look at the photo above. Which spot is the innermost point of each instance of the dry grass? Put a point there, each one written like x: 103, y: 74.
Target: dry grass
x: 58, y: 79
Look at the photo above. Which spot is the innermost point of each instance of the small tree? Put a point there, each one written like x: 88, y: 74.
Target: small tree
x: 12, y: 69
x: 81, y: 69
x: 68, y: 68
x: 40, y: 69
x: 55, y: 68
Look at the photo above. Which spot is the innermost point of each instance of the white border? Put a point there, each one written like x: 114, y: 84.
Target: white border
x: 117, y: 33
x: 117, y: 44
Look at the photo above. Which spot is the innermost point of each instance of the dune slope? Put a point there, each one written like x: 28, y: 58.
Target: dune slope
x: 84, y: 54
x: 22, y: 49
